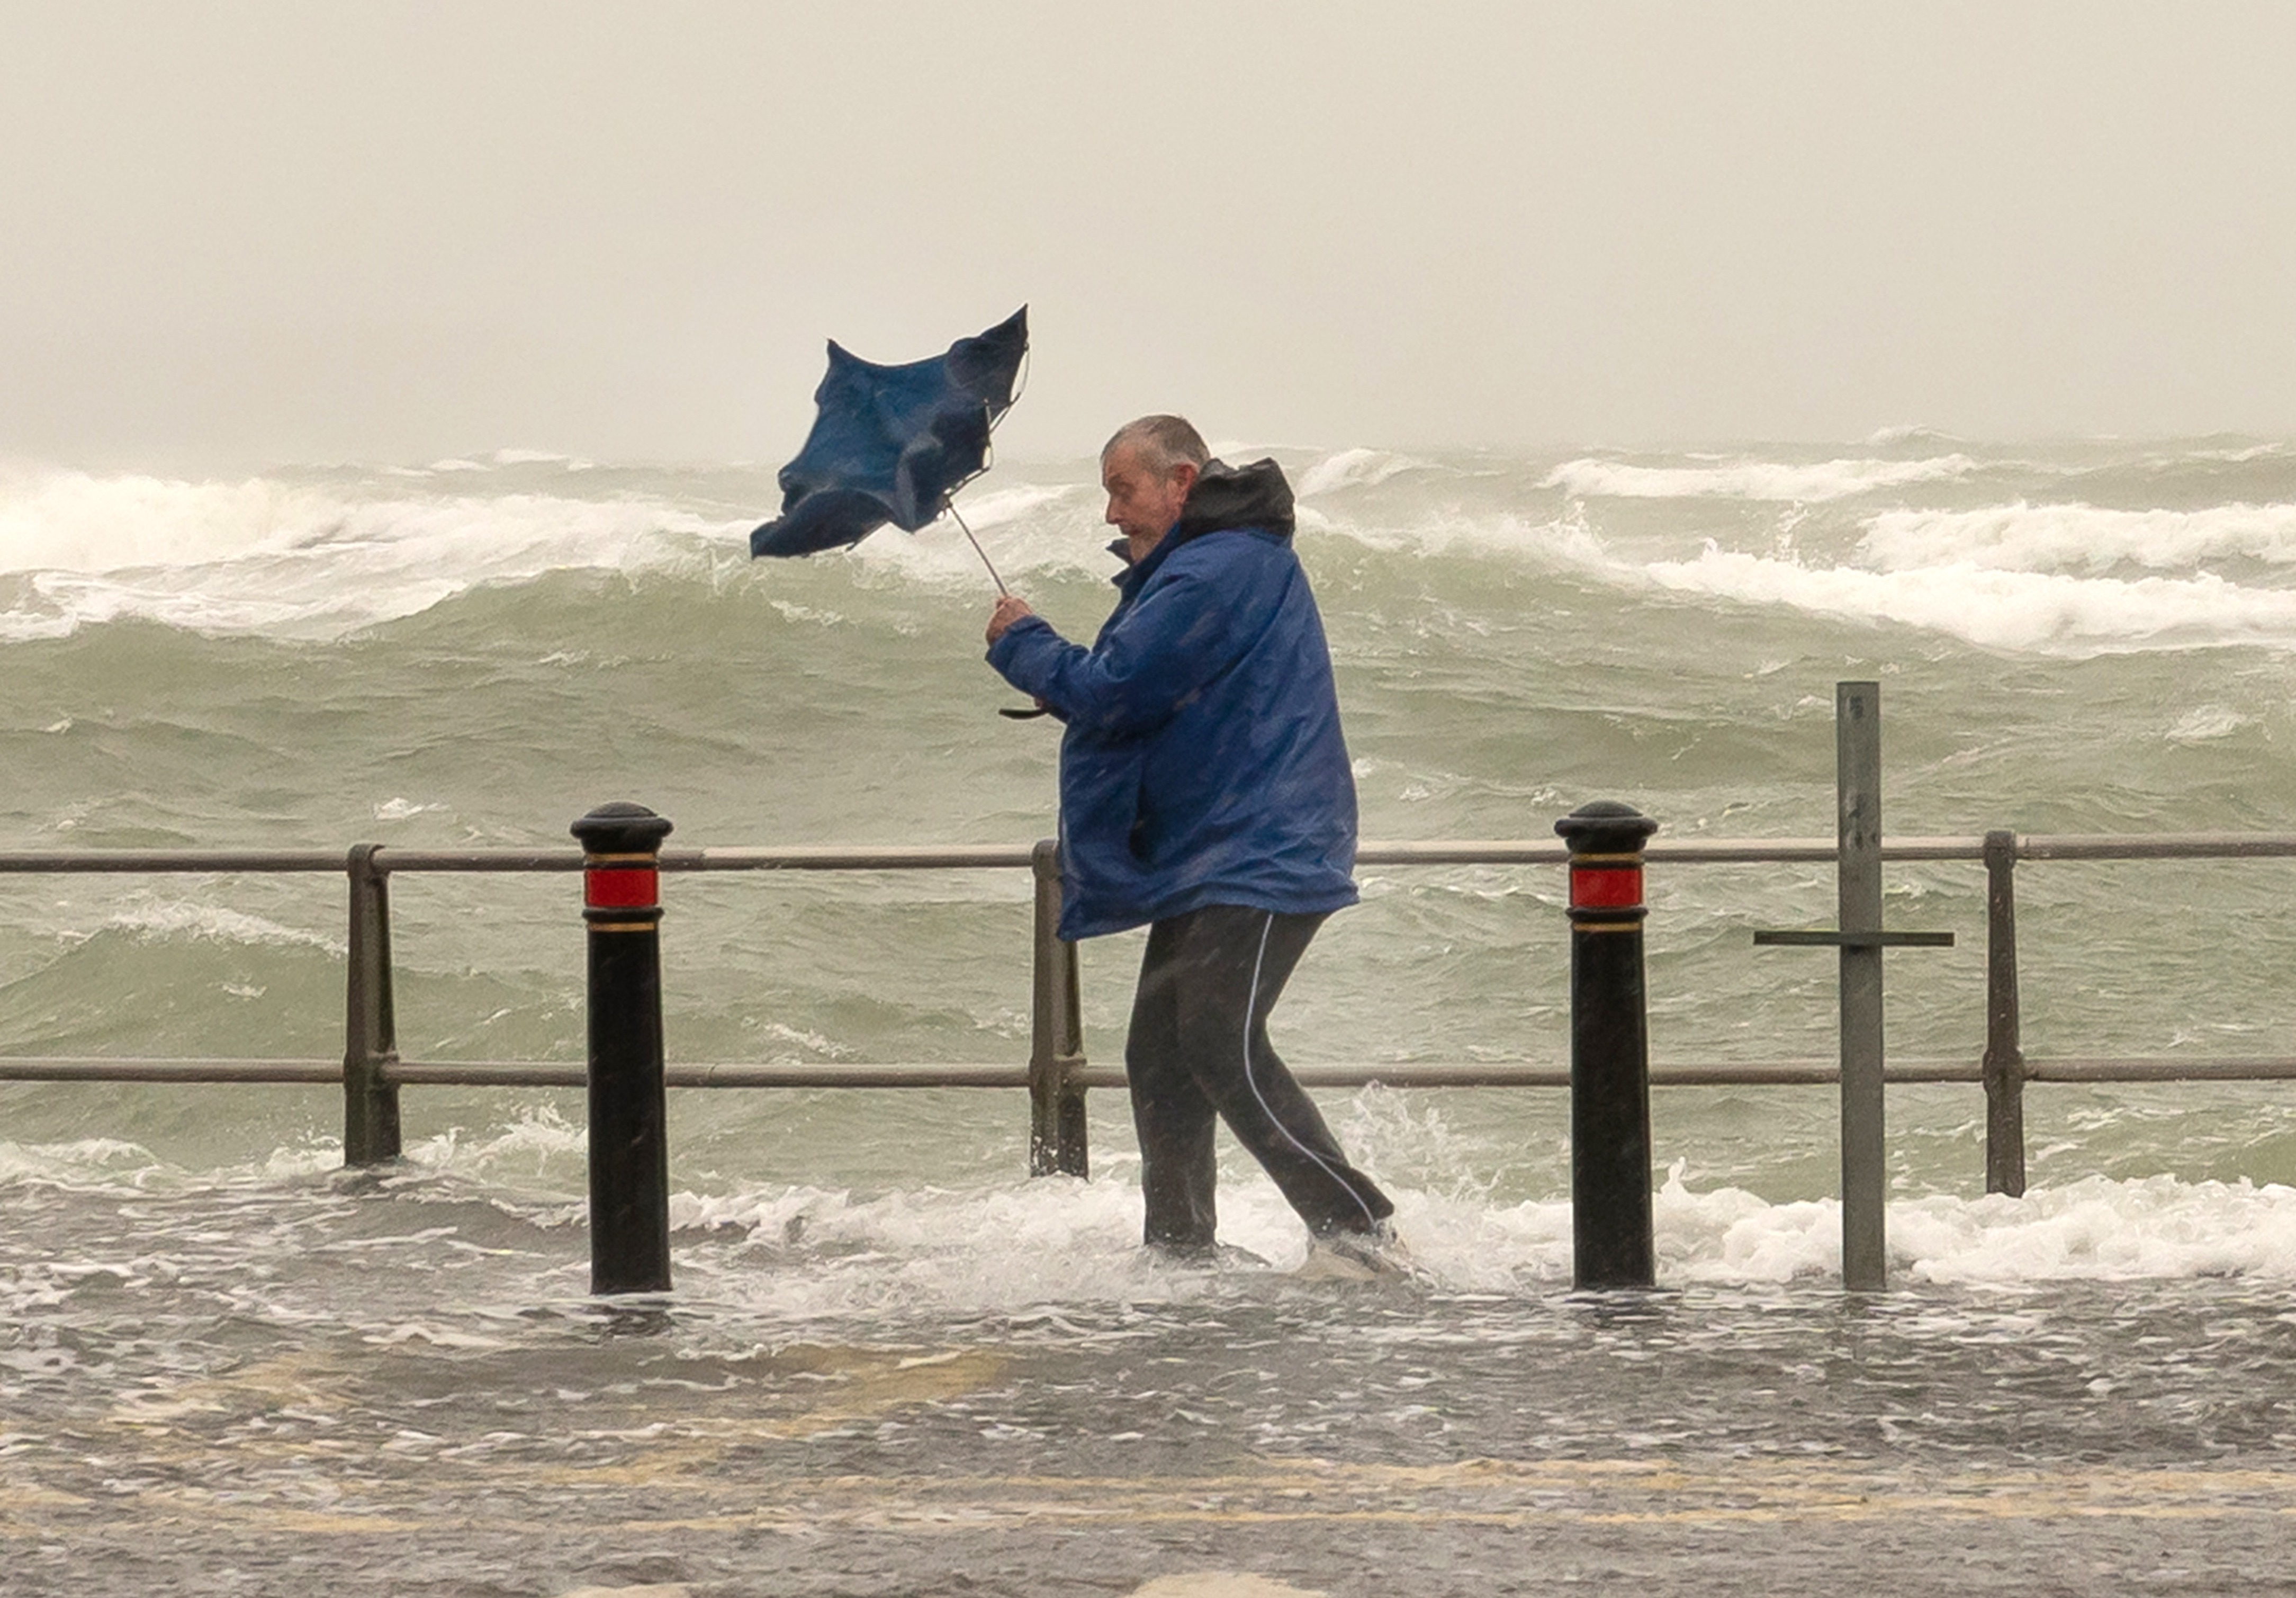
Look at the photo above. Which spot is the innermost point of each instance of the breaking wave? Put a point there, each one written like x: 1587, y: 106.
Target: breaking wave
x: 1588, y: 478
x: 2043, y: 611
x: 328, y: 553
x: 2054, y: 537
x: 271, y: 557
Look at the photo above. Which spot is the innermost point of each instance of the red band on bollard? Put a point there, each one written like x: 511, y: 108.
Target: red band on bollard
x: 621, y: 888
x: 1605, y: 888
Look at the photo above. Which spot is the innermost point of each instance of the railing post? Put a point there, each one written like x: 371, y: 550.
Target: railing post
x: 1612, y: 1236
x: 629, y: 1137
x: 371, y: 1135
x: 1857, y: 781
x: 1056, y: 1123
x: 2004, y: 1056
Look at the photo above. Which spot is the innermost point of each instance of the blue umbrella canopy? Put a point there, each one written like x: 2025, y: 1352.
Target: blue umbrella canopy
x: 892, y: 443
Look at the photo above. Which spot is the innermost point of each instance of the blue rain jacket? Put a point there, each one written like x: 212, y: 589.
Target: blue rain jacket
x: 1203, y: 762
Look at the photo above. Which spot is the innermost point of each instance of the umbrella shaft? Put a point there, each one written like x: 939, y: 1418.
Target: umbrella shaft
x: 983, y: 553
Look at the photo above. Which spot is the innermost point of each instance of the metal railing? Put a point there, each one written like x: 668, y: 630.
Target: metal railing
x: 1057, y: 1073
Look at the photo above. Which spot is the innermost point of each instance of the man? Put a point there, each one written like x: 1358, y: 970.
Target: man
x: 1205, y: 791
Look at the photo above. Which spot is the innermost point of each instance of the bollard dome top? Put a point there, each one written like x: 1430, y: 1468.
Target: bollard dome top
x: 1605, y: 827
x: 621, y: 828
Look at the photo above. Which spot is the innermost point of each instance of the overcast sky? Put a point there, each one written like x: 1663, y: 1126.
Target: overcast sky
x: 279, y: 232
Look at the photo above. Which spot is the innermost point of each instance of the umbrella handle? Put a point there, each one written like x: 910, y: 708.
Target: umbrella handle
x: 1004, y: 710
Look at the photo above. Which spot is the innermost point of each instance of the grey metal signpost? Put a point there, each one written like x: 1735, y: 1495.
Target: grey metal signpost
x: 1857, y: 934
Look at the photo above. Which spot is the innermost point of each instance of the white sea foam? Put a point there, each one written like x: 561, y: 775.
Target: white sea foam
x: 827, y: 1253
x: 1353, y: 469
x: 538, y: 1144
x: 2044, y: 611
x: 99, y: 1162
x: 2205, y: 724
x: 1588, y: 478
x: 1566, y: 544
x: 2095, y: 1228
x: 162, y: 919
x: 804, y: 1251
x: 2059, y: 538
x: 71, y: 521
x: 538, y: 457
x: 2101, y: 1229
x: 1025, y: 527
x: 265, y: 557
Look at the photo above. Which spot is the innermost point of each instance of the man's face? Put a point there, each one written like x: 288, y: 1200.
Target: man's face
x: 1143, y: 502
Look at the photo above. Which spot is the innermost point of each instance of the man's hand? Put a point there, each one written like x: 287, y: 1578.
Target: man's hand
x: 1009, y: 610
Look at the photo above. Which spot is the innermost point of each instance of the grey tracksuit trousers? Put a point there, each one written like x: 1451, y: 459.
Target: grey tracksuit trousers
x: 1198, y: 1052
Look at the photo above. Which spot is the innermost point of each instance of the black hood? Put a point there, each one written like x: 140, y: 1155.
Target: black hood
x: 1226, y: 497
x: 1223, y: 497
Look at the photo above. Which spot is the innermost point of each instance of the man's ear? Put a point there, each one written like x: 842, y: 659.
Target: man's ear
x: 1185, y: 473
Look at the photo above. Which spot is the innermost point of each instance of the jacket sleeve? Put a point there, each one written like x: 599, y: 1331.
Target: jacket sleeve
x: 1181, y: 634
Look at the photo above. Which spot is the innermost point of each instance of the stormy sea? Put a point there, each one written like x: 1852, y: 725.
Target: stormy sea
x: 893, y: 1362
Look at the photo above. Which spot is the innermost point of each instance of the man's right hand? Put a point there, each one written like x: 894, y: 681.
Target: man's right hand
x: 1010, y: 609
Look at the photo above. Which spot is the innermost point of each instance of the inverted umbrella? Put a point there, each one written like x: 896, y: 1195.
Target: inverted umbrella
x: 893, y: 443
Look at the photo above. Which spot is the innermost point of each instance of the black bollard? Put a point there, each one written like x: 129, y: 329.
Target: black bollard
x: 629, y: 1143
x: 1610, y: 1229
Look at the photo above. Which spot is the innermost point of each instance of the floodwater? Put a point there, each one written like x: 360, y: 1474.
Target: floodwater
x: 393, y: 1384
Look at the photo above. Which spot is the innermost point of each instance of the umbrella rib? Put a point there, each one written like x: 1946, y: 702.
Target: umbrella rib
x: 1020, y: 387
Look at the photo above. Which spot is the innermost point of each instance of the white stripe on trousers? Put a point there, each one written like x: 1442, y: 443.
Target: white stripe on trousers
x: 1251, y: 1005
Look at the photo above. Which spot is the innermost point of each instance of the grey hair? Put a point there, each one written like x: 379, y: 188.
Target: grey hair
x: 1161, y: 443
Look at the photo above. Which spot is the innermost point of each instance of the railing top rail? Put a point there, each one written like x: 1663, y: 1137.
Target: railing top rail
x: 2155, y: 846
x: 882, y: 856
x: 964, y: 856
x: 1459, y: 851
x: 877, y: 857
x: 390, y: 859
x: 1430, y: 1073
x: 24, y: 861
x: 1771, y: 851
